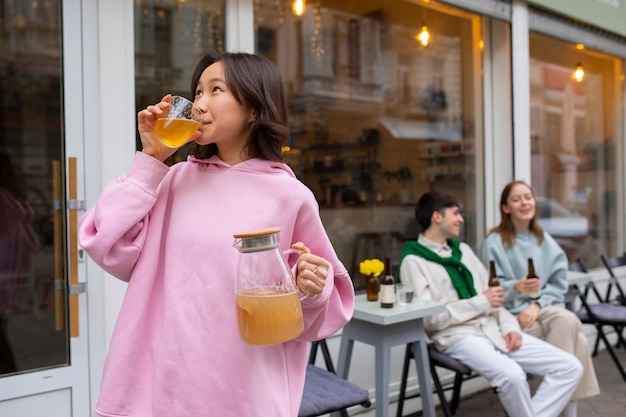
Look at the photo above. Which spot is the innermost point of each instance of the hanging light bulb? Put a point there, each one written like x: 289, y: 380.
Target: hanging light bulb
x: 298, y: 7
x: 579, y: 73
x: 423, y: 36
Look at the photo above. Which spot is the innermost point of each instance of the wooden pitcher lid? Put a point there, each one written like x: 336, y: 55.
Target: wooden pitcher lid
x: 258, y: 233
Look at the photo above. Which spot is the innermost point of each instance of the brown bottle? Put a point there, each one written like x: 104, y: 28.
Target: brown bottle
x: 532, y: 275
x: 387, y: 287
x: 493, y: 278
x: 371, y: 287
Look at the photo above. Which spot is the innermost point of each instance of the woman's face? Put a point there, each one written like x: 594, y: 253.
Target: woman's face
x: 520, y: 204
x: 224, y: 121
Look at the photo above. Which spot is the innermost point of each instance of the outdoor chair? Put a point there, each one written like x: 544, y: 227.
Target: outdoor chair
x: 324, y: 391
x: 611, y: 263
x: 442, y: 360
x: 601, y: 314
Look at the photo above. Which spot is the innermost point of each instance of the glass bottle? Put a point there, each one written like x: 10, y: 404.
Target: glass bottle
x: 493, y: 278
x: 372, y: 286
x: 532, y: 275
x: 387, y: 287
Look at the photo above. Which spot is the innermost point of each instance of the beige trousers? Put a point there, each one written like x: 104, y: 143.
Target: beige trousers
x: 562, y: 328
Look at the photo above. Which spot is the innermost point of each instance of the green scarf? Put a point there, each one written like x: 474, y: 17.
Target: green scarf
x: 461, y: 277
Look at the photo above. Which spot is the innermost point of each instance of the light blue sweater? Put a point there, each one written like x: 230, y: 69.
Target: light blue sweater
x: 512, y: 264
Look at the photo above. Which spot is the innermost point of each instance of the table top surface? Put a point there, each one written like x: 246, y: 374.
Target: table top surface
x: 371, y: 311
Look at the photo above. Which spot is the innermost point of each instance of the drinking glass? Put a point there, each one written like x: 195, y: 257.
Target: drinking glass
x: 405, y: 294
x: 175, y: 130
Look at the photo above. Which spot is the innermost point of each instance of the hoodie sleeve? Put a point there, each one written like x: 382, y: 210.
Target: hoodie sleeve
x: 113, y: 231
x: 328, y: 312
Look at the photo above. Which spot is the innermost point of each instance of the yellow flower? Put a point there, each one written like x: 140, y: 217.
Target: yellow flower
x: 373, y: 267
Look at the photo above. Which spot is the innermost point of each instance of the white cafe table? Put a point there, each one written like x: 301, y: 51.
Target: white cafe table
x: 384, y: 328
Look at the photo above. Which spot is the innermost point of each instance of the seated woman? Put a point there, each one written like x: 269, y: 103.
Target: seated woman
x: 517, y: 238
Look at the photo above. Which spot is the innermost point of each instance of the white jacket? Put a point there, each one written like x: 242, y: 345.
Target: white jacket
x: 473, y: 316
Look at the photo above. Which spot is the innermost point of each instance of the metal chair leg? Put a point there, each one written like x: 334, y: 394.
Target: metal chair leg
x: 440, y: 393
x: 403, y: 381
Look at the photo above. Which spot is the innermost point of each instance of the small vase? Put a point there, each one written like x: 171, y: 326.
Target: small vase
x: 372, y: 287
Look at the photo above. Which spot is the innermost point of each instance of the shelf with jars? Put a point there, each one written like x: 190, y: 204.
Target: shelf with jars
x: 342, y: 173
x: 447, y: 160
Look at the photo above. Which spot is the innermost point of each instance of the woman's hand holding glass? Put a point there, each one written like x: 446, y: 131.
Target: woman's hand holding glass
x: 151, y: 122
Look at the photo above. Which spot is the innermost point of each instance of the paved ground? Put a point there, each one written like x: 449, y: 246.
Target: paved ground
x: 610, y: 403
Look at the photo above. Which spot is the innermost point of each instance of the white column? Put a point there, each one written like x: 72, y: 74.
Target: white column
x: 239, y: 15
x: 498, y: 147
x: 521, y: 91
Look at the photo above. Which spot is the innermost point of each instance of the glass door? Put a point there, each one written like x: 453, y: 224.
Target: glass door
x: 39, y: 288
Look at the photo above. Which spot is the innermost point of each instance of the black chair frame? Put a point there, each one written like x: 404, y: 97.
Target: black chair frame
x: 610, y: 263
x: 601, y: 314
x: 437, y: 359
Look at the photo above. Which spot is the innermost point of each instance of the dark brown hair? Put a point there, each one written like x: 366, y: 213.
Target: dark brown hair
x: 257, y: 83
x: 506, y: 228
x: 431, y: 202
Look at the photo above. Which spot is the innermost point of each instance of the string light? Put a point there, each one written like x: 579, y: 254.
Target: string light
x: 579, y: 73
x: 317, y: 46
x: 423, y: 37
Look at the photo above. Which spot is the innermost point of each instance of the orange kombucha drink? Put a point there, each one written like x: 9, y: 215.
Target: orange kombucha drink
x: 174, y: 133
x: 268, y: 316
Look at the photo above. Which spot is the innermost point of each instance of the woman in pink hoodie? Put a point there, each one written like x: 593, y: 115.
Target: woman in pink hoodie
x: 168, y: 232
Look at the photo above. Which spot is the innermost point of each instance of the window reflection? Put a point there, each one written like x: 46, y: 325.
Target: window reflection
x: 574, y: 125
x: 169, y: 36
x: 32, y: 287
x: 377, y: 118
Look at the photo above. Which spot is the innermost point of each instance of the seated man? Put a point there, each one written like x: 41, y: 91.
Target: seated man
x: 475, y: 327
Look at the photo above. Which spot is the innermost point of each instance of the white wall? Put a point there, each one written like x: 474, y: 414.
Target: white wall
x: 109, y: 147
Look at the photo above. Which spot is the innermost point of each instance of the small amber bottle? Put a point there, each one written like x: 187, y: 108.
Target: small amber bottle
x: 372, y: 287
x: 493, y: 278
x: 532, y: 275
x: 387, y: 287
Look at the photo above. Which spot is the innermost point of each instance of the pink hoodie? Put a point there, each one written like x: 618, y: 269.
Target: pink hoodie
x: 176, y: 349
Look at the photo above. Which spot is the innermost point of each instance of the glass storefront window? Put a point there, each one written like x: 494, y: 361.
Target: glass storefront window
x: 169, y: 36
x: 377, y: 118
x: 33, y: 307
x: 575, y: 129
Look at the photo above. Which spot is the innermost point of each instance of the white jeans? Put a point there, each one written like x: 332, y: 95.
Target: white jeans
x: 506, y: 372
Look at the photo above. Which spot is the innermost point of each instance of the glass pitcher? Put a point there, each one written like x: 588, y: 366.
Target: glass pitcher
x: 268, y: 301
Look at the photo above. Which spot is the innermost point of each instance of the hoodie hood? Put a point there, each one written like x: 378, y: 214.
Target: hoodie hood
x: 251, y: 165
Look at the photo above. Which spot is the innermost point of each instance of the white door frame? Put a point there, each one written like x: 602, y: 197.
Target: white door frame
x: 62, y: 391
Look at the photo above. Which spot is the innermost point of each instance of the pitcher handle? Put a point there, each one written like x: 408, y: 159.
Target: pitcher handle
x: 286, y: 253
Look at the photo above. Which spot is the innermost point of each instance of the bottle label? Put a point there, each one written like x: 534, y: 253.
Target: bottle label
x: 387, y: 294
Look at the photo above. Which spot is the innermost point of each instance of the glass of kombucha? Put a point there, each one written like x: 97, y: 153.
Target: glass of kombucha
x: 175, y: 130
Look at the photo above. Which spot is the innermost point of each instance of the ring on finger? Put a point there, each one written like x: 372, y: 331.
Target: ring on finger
x: 315, y: 269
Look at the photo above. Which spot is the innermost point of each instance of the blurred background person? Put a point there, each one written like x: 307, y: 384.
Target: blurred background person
x: 518, y: 238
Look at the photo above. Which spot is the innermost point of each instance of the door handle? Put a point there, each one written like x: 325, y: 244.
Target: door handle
x: 73, y: 247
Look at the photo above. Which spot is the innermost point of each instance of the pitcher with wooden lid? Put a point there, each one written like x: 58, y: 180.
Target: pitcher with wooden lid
x: 268, y: 301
